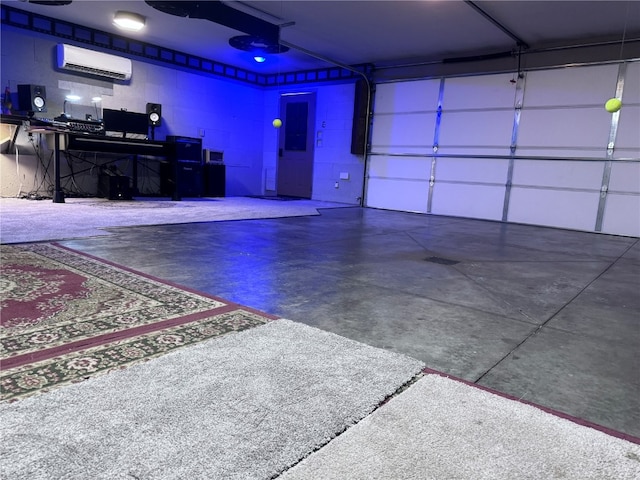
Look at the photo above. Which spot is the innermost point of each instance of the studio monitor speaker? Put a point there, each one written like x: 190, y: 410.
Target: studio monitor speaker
x: 32, y: 98
x: 154, y: 114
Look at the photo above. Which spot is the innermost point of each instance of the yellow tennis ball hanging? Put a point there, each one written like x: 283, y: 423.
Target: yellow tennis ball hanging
x: 613, y: 105
x: 277, y: 123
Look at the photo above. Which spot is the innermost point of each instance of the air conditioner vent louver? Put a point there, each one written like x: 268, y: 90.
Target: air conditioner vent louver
x: 94, y: 63
x: 95, y: 71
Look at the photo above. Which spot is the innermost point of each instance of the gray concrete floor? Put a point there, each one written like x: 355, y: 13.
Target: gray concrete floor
x: 547, y: 315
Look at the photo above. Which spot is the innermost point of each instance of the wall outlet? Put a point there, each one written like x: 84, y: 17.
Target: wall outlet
x: 344, y: 175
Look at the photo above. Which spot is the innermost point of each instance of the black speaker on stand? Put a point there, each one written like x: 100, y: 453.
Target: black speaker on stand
x: 154, y: 115
x: 32, y: 98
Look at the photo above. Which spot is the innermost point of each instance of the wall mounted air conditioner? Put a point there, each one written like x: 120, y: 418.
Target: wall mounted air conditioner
x: 95, y: 63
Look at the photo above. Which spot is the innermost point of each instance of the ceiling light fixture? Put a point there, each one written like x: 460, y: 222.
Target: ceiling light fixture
x: 129, y: 21
x: 260, y: 59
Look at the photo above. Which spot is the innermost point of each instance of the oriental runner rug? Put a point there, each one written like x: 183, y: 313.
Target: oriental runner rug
x: 68, y: 316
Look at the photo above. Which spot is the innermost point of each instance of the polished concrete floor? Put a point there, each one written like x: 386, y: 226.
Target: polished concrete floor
x: 546, y: 315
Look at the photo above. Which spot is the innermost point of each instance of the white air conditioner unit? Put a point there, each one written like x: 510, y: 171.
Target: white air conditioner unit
x: 92, y: 62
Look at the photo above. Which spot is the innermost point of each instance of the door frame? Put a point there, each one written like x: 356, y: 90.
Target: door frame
x: 311, y: 95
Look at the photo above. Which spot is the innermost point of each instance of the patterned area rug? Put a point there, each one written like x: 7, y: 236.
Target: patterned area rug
x: 67, y: 316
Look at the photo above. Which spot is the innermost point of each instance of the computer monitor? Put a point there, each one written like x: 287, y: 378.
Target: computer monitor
x: 125, y: 122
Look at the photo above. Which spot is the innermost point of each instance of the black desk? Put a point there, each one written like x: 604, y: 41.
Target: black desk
x: 127, y: 146
x: 105, y: 144
x: 66, y: 141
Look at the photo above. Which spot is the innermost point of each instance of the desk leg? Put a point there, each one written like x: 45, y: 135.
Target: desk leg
x: 176, y: 197
x: 58, y: 194
x: 135, y: 176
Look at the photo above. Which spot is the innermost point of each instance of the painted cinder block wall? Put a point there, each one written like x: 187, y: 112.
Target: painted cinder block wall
x: 229, y: 116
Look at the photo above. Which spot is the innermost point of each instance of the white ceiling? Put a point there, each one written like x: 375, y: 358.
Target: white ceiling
x: 382, y: 32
